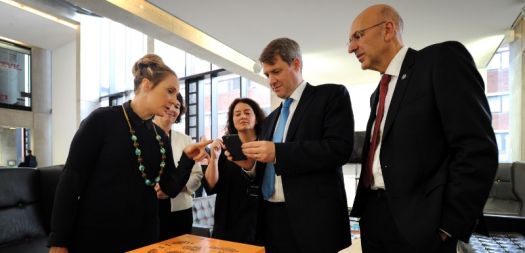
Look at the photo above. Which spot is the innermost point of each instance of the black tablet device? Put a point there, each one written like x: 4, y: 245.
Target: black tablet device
x: 233, y: 145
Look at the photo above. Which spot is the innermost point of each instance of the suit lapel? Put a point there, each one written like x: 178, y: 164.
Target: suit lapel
x: 399, y: 92
x: 270, y: 123
x: 373, y: 107
x: 299, y: 111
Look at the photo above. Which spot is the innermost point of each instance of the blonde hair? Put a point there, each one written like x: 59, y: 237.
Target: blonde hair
x: 151, y: 67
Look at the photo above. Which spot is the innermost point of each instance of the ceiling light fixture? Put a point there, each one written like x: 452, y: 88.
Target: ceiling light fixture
x: 40, y: 13
x: 13, y: 41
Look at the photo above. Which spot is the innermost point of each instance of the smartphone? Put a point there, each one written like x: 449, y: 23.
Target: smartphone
x: 233, y: 145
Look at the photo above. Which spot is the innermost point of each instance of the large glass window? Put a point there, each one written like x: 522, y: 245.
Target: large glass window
x: 109, y: 50
x: 208, y: 90
x: 15, y: 76
x: 216, y: 91
x: 196, y: 65
x: 228, y: 89
x: 259, y: 93
x: 176, y: 60
x: 172, y: 56
x: 499, y: 100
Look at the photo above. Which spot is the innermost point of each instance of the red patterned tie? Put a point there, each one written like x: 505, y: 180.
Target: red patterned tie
x: 383, y: 88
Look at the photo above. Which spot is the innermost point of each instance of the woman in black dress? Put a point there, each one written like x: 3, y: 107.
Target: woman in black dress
x: 119, y: 164
x: 233, y: 181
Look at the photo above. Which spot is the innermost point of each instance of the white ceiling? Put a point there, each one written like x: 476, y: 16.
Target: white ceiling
x: 320, y: 27
x: 33, y: 30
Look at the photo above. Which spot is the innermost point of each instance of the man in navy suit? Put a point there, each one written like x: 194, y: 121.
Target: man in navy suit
x: 430, y: 157
x: 305, y: 209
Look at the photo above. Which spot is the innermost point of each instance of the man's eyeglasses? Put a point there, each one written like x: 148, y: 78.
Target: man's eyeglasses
x: 359, y: 34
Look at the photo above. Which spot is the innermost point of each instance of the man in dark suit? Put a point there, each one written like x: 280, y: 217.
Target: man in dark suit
x: 429, y: 159
x: 29, y: 160
x: 305, y: 208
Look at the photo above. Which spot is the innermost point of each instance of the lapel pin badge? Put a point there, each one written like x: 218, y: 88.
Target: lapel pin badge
x: 403, y: 76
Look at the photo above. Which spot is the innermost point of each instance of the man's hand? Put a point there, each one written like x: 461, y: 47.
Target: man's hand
x: 245, y: 164
x: 262, y: 151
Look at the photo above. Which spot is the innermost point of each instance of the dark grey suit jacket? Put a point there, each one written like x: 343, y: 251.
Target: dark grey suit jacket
x: 438, y: 153
x: 318, y: 142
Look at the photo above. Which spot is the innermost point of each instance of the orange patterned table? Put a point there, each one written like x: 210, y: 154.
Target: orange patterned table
x: 192, y: 243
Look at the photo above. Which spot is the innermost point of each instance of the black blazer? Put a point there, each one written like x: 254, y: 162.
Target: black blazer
x: 438, y: 153
x: 318, y: 142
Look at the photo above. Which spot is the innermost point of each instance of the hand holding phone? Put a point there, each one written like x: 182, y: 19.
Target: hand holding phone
x: 233, y: 145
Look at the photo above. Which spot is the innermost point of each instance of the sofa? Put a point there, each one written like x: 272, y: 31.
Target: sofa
x: 26, y: 201
x: 504, y: 210
x: 203, y: 215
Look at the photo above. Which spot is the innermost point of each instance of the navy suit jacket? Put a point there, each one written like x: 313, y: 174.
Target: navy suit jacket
x: 438, y: 153
x: 318, y: 142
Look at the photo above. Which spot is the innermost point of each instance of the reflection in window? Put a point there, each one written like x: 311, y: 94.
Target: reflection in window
x: 15, y: 82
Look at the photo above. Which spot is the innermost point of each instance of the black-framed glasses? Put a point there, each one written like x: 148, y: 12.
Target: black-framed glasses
x: 359, y: 34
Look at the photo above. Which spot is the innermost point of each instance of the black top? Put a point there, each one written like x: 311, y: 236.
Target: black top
x: 29, y: 161
x: 236, y: 204
x: 102, y: 203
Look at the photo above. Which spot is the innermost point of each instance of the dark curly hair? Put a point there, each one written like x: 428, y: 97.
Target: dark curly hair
x: 259, y: 115
x: 182, y: 107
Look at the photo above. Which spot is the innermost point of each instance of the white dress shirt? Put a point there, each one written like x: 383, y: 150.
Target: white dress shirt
x: 278, y: 195
x: 393, y: 69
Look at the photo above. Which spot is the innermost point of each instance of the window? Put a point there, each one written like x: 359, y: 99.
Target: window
x: 109, y: 50
x: 258, y: 92
x: 502, y: 138
x: 213, y: 93
x: 15, y: 76
x: 172, y: 56
x: 499, y: 100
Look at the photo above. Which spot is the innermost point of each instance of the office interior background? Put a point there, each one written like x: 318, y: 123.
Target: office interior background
x: 59, y: 60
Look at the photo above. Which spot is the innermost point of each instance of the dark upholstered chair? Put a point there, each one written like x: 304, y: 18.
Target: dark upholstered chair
x: 519, y: 183
x: 26, y: 201
x: 502, y: 198
x: 505, y: 207
x: 203, y: 215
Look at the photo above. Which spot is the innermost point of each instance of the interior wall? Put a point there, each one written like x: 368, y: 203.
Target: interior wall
x: 41, y: 105
x: 66, y: 99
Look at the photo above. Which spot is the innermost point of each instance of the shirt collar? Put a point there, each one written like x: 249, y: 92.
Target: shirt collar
x: 296, y: 94
x: 394, y: 67
x: 134, y: 119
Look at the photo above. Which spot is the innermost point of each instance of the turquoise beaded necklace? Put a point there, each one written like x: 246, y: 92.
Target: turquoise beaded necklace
x: 138, y: 153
